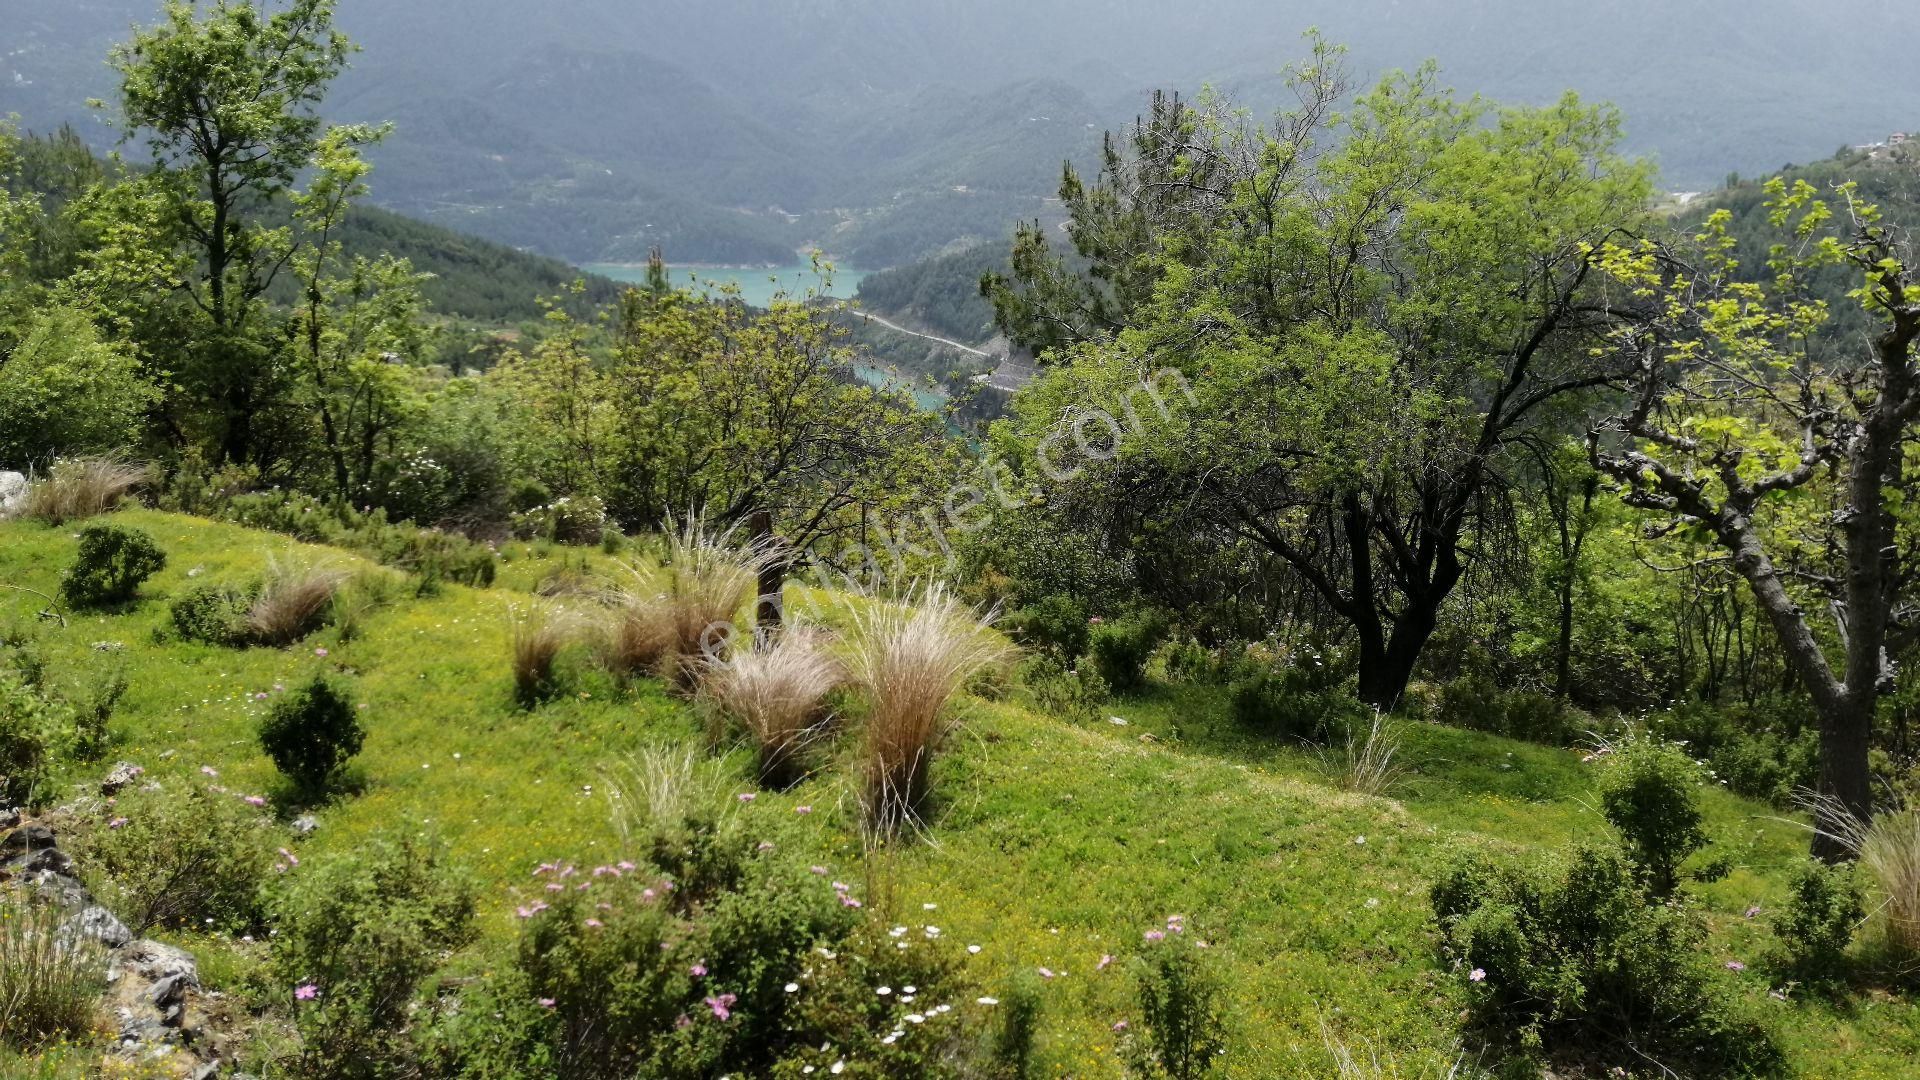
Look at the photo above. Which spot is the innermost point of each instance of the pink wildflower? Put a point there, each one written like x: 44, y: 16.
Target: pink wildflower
x: 255, y: 800
x: 1105, y: 961
x: 697, y: 970
x: 1119, y: 1025
x: 1735, y: 965
x: 1477, y: 975
x: 748, y: 796
x: 546, y: 1003
x: 209, y: 770
x: 803, y: 809
x: 116, y: 823
x: 321, y: 653
x: 722, y: 1006
x: 306, y: 993
x: 1154, y: 935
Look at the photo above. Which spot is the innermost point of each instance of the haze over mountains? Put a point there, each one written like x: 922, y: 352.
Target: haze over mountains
x: 741, y: 131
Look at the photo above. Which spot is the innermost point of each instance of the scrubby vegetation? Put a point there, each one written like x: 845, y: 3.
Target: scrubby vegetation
x: 1435, y: 642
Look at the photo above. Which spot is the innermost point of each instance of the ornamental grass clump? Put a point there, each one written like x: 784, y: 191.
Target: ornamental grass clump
x: 540, y: 634
x: 78, y: 488
x: 776, y: 695
x: 636, y: 634
x: 709, y: 579
x: 296, y: 600
x: 911, y: 660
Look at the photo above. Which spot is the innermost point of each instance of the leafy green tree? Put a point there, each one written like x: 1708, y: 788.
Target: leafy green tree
x: 1372, y: 312
x: 225, y: 101
x: 1788, y: 449
x: 64, y: 391
x: 749, y: 417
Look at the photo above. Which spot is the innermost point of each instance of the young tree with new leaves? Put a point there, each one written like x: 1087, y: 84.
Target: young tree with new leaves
x: 225, y: 100
x: 1789, y: 451
x: 1375, y: 311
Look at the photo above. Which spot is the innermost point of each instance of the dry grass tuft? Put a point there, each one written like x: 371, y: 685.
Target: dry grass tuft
x: 540, y: 634
x: 78, y: 488
x: 660, y: 794
x: 911, y: 661
x: 1888, y: 850
x: 709, y: 579
x: 777, y: 694
x: 636, y: 634
x: 297, y: 600
x: 1367, y: 763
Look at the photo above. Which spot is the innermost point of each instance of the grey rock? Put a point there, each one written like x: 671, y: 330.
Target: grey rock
x: 9, y: 817
x: 96, y: 922
x: 13, y: 492
x: 305, y: 825
x: 27, y: 838
x: 126, y: 772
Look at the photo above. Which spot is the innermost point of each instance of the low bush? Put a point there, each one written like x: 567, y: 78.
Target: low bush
x: 312, y: 732
x: 92, y: 734
x: 356, y: 934
x: 1120, y: 648
x: 1056, y: 625
x: 1577, y: 954
x: 193, y: 858
x: 758, y: 968
x: 1291, y: 703
x: 1071, y: 694
x: 578, y: 519
x: 1817, y: 920
x: 1650, y: 792
x: 78, y: 488
x: 50, y: 982
x: 1768, y: 750
x: 435, y: 557
x: 31, y: 727
x: 111, y: 565
x: 1180, y: 1033
x: 1476, y: 702
x: 217, y: 614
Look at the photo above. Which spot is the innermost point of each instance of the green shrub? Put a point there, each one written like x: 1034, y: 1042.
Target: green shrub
x: 31, y: 725
x: 1016, y: 1037
x: 1578, y: 954
x: 1291, y: 703
x: 1822, y: 908
x: 1053, y: 624
x: 1121, y: 647
x: 356, y: 935
x: 1477, y: 703
x: 50, y: 983
x: 93, y: 717
x: 1180, y: 1033
x: 188, y: 859
x: 1187, y: 661
x: 112, y: 564
x: 1069, y: 694
x: 216, y: 614
x: 312, y: 732
x: 1650, y: 792
x: 580, y: 519
x: 434, y: 556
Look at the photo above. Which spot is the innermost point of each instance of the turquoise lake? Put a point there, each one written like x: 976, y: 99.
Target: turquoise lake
x: 757, y: 284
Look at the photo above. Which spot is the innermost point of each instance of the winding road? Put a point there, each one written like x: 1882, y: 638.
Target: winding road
x: 929, y: 337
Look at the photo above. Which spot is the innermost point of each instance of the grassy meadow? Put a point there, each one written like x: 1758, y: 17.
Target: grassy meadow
x: 1054, y: 843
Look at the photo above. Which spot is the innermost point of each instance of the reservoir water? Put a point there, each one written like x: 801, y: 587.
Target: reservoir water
x: 757, y: 284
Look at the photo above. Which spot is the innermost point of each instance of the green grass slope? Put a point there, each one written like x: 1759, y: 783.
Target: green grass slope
x: 1055, y: 843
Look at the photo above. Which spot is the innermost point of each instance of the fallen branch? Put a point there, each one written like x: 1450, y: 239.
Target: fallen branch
x: 53, y: 605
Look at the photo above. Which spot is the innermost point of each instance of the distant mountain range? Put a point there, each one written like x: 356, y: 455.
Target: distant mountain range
x: 743, y: 131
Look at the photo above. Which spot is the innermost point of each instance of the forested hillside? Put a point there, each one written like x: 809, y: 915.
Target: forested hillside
x: 580, y: 128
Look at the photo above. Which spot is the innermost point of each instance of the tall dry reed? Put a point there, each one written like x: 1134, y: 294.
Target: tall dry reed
x: 775, y: 693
